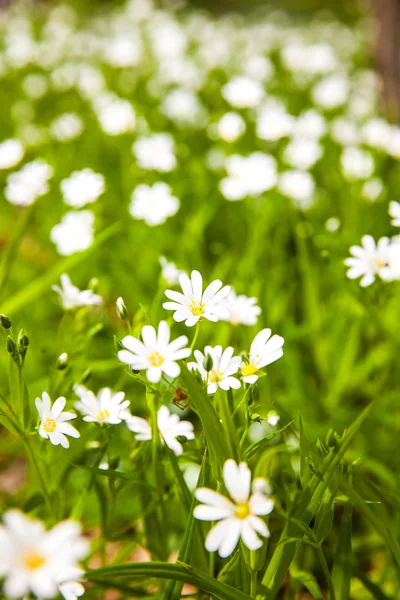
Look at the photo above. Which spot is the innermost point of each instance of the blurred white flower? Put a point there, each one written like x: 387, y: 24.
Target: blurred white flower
x: 29, y: 183
x: 11, y: 153
x: 184, y: 107
x: 356, y: 163
x: 155, y: 354
x: 194, y: 305
x: 238, y: 518
x: 82, y: 187
x: 274, y: 122
x: 71, y: 296
x: 106, y: 407
x: 248, y: 175
x: 223, y: 366
x: 391, y: 271
x: 368, y: 261
x: 169, y: 427
x: 67, y: 126
x: 345, y: 131
x: 155, y: 152
x: 310, y: 124
x: 302, y: 153
x: 299, y: 186
x: 332, y: 224
x: 35, y: 85
x: 243, y: 92
x: 169, y: 271
x: 264, y: 350
x: 154, y: 204
x: 372, y: 189
x: 376, y: 133
x: 331, y: 92
x: 230, y: 127
x: 242, y: 309
x: 74, y: 233
x: 124, y: 50
x: 39, y: 561
x: 116, y: 115
x: 53, y: 421
x: 313, y: 58
x: 394, y: 212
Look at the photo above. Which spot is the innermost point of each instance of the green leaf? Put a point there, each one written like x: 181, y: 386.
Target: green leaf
x: 342, y: 567
x: 213, y: 430
x: 177, y: 572
x: 305, y: 471
x: 306, y: 508
x: 308, y: 581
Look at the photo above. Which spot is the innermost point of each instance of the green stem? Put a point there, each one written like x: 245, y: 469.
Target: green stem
x: 253, y: 579
x: 42, y: 481
x: 196, y: 333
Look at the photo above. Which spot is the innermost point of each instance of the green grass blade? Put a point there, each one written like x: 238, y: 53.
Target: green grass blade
x: 342, y: 567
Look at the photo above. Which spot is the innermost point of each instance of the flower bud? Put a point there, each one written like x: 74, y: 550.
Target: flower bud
x: 122, y: 311
x: 11, y: 347
x: 5, y: 322
x: 62, y: 361
x: 208, y: 363
x: 93, y: 284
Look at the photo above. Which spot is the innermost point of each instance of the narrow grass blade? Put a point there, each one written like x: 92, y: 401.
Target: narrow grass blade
x: 342, y: 567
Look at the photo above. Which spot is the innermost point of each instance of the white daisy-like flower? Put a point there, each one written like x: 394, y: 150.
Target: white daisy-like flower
x: 248, y: 175
x: 155, y: 152
x: 169, y: 271
x: 11, y: 153
x: 74, y: 233
x: 39, y: 561
x: 331, y: 92
x: 29, y: 183
x: 153, y: 203
x: 184, y: 107
x: 357, y: 163
x: 82, y: 187
x: 53, y: 421
x: 71, y: 296
x: 264, y: 350
x: 155, y: 354
x: 237, y: 516
x: 394, y: 212
x: 193, y: 305
x: 243, y: 92
x: 224, y: 366
x: 299, y: 186
x: 169, y: 427
x: 368, y: 261
x: 372, y: 189
x: 302, y: 153
x: 230, y: 127
x: 106, y: 407
x: 391, y: 272
x: 274, y: 122
x: 242, y: 309
x: 116, y: 115
x: 66, y: 127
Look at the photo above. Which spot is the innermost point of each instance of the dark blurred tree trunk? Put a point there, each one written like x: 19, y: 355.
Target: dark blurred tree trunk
x: 387, y: 52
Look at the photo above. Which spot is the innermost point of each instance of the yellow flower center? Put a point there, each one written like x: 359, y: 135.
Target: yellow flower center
x: 197, y: 308
x: 155, y: 359
x: 33, y: 560
x: 242, y: 511
x: 215, y: 376
x: 102, y: 415
x: 249, y: 370
x: 379, y: 263
x: 49, y: 425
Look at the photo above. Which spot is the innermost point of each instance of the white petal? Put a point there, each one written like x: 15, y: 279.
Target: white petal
x: 249, y: 537
x: 197, y: 285
x: 210, y: 513
x: 149, y: 336
x: 237, y: 480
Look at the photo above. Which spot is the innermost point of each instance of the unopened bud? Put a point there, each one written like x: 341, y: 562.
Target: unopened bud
x: 208, y: 363
x: 5, y: 322
x: 122, y: 311
x: 62, y: 361
x: 23, y: 339
x: 11, y: 347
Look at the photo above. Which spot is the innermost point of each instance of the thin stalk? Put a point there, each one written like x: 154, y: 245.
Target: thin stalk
x: 42, y: 481
x: 196, y: 333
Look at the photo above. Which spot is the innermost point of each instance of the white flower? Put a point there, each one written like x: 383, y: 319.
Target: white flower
x: 372, y: 189
x: 394, y: 211
x: 368, y: 260
x: 82, y: 187
x: 239, y: 517
x: 193, y: 305
x: 71, y: 296
x: 27, y: 184
x: 53, y: 421
x: 230, y: 127
x: 248, y: 175
x: 184, y: 107
x: 155, y: 354
x: 116, y: 116
x: 155, y: 152
x: 224, y: 365
x: 310, y: 124
x: 39, y: 561
x: 124, y: 50
x: 243, y: 92
x: 391, y: 271
x: 264, y: 350
x: 299, y: 186
x: 74, y: 233
x: 169, y: 427
x: 331, y: 92
x: 344, y: 131
x: 376, y: 133
x: 357, y: 163
x: 106, y: 407
x: 154, y: 204
x: 241, y: 309
x: 302, y: 153
x: 274, y: 122
x: 11, y: 153
x: 67, y: 126
x: 312, y: 58
x: 169, y: 271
